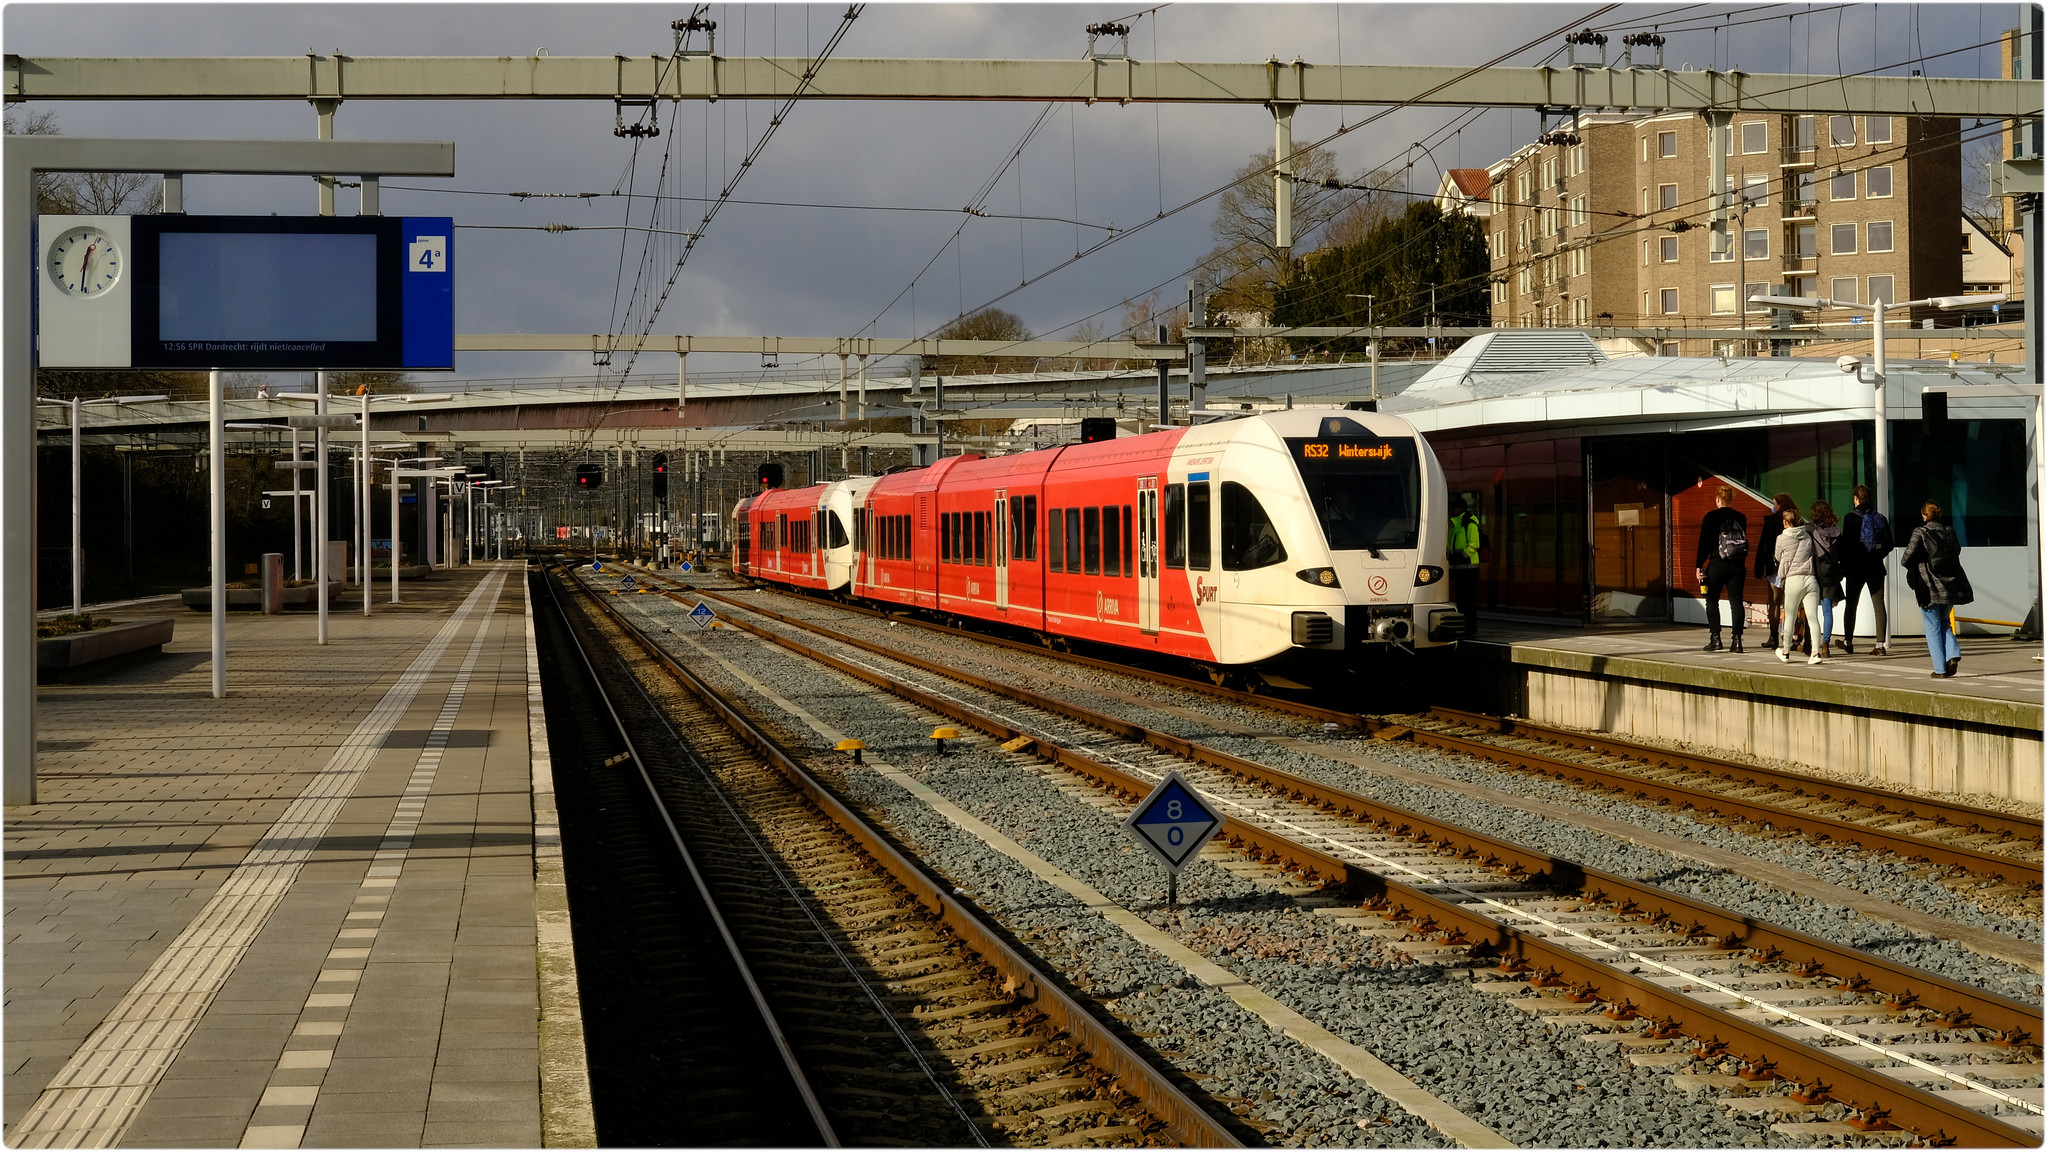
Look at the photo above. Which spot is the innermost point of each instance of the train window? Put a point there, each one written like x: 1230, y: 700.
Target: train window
x: 951, y: 520
x: 1129, y: 542
x: 782, y: 529
x: 1073, y: 539
x: 1176, y: 526
x: 1198, y: 535
x: 1055, y: 555
x: 860, y: 530
x: 1091, y: 540
x: 1112, y: 543
x: 1030, y: 521
x: 1366, y: 494
x: 1249, y: 539
x: 1016, y: 531
x: 944, y: 537
x: 981, y: 538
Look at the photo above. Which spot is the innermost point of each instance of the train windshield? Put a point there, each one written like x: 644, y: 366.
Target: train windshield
x: 1366, y: 490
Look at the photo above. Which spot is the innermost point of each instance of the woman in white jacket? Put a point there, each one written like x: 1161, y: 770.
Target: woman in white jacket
x: 1796, y: 564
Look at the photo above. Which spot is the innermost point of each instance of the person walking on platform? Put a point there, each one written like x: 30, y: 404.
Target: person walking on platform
x: 1463, y: 557
x: 1766, y: 562
x: 1794, y: 553
x: 1865, y: 542
x: 1932, y: 561
x: 1723, y: 545
x: 1826, y: 548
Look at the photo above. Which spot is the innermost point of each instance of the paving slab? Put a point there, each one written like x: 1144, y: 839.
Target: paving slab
x: 219, y: 869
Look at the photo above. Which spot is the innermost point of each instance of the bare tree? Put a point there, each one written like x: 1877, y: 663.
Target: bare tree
x: 82, y: 193
x: 1083, y: 332
x: 374, y: 383
x: 1246, y: 265
x: 1141, y: 320
x: 987, y: 324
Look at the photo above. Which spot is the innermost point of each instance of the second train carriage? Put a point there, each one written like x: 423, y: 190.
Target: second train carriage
x: 1239, y: 542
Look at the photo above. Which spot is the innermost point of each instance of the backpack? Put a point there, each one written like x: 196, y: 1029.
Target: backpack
x: 1826, y: 565
x: 1733, y: 542
x: 1876, y: 535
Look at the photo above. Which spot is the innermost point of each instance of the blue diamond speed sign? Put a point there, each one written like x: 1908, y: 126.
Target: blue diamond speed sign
x: 1174, y: 822
x: 702, y: 615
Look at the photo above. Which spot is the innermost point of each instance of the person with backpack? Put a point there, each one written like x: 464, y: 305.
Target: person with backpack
x: 1766, y: 562
x: 1795, y: 569
x: 1932, y: 561
x: 1826, y: 547
x: 1463, y: 555
x: 1865, y: 542
x: 1723, y: 544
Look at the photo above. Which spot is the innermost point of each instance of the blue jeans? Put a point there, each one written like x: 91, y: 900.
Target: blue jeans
x: 1940, y: 642
x: 1826, y: 620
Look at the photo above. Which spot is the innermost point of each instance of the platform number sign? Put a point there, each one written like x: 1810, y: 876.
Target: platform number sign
x: 1174, y: 822
x: 427, y: 254
x: 702, y: 615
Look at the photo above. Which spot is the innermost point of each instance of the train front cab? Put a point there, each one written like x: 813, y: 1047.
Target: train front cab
x: 1328, y: 536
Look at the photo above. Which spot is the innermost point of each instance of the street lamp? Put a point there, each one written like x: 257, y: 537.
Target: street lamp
x: 1878, y: 340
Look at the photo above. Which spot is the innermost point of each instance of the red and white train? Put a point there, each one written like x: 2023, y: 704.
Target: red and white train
x: 1253, y: 540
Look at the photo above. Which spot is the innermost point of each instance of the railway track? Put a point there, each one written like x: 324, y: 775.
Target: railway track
x: 1947, y: 833
x: 1835, y: 1026
x: 918, y: 1025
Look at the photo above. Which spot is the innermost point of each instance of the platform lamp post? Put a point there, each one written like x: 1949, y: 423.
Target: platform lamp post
x: 1878, y: 339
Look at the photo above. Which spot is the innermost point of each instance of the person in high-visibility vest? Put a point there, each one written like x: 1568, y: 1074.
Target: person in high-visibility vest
x: 1463, y: 559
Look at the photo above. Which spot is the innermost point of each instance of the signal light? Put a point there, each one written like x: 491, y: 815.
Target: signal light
x: 589, y: 475
x: 769, y: 474
x: 661, y: 476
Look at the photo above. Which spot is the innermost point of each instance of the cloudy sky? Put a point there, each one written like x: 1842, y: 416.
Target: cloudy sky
x: 839, y: 271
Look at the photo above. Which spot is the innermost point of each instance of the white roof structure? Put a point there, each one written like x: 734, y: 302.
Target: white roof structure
x: 1671, y: 393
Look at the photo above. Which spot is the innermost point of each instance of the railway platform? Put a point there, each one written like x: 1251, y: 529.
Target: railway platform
x: 324, y: 911
x: 1977, y: 733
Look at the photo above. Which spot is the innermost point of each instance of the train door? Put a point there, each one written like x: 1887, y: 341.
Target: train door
x: 1001, y: 544
x: 1148, y: 555
x: 925, y: 549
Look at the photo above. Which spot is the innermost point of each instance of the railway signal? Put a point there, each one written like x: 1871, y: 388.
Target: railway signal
x: 660, y: 475
x: 1173, y: 823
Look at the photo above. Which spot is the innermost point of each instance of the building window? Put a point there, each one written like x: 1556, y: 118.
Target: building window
x: 1805, y: 133
x: 1645, y: 200
x: 1525, y: 278
x: 1549, y: 172
x: 1581, y: 310
x: 1968, y: 244
x: 1578, y: 215
x: 1549, y: 221
x: 1723, y: 299
x: 1876, y: 183
x: 1669, y: 301
x: 1666, y: 145
x: 1841, y: 131
x: 1808, y: 242
x: 1883, y: 288
x: 1669, y: 249
x: 1876, y: 130
x: 1666, y: 196
x: 1721, y: 257
x: 1499, y: 291
x: 1521, y: 186
x: 1755, y: 244
x: 1646, y: 261
x: 1842, y: 187
x: 1842, y: 289
x: 1577, y: 159
x: 1726, y: 348
x: 1844, y: 239
x: 1755, y: 136
x: 1667, y: 348
x: 1579, y: 261
x: 1521, y: 234
x: 1755, y: 191
x: 1806, y: 191
x: 1750, y: 291
x: 1879, y: 236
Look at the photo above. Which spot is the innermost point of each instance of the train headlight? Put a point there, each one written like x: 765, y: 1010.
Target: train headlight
x: 1427, y: 574
x: 1321, y: 577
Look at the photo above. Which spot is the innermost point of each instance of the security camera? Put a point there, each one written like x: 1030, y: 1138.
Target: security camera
x: 1848, y: 363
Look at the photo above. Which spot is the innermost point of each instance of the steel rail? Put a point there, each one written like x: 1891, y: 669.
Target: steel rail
x: 1184, y: 1119
x: 2015, y: 871
x: 1868, y: 1090
x: 1906, y: 807
x: 753, y: 990
x: 1206, y: 688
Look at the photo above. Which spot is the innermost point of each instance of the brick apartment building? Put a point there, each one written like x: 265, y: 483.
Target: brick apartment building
x: 1613, y: 230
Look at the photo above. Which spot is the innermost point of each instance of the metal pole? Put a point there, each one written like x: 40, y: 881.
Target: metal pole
x: 395, y: 543
x: 1883, y: 467
x: 1373, y: 348
x: 77, y: 517
x: 367, y: 495
x: 863, y: 386
x: 296, y: 530
x: 320, y: 530
x: 216, y: 453
x: 842, y: 385
x: 1283, y: 180
x: 1165, y: 383
x: 1197, y: 350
